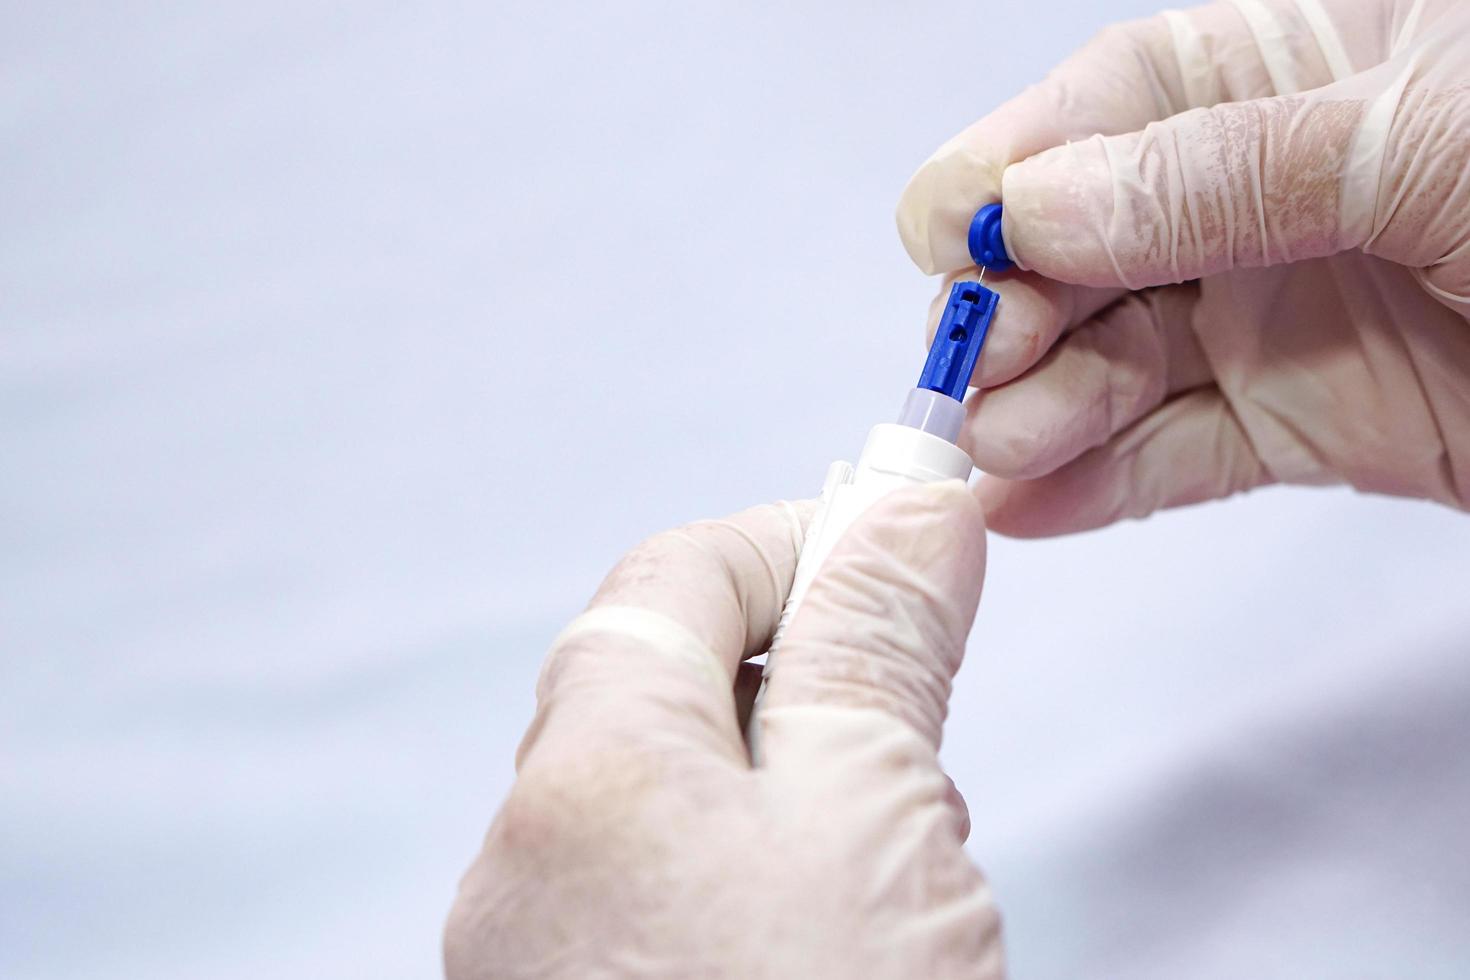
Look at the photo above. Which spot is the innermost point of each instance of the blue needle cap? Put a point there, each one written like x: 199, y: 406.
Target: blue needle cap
x: 987, y: 245
x: 957, y: 341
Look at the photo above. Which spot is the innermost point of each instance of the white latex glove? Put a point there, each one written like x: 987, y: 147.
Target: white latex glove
x: 1309, y: 163
x: 638, y: 841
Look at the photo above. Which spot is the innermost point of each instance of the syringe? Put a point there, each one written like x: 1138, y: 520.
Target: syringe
x: 919, y: 447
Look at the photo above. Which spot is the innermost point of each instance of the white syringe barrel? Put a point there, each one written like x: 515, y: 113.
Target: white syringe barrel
x: 895, y: 456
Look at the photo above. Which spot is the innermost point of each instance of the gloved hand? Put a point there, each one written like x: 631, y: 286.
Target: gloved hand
x: 639, y: 841
x: 1308, y: 163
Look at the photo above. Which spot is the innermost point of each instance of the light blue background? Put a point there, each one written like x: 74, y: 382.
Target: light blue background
x: 343, y: 347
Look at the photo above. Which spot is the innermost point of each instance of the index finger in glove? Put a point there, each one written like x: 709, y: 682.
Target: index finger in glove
x: 872, y: 650
x: 1126, y: 77
x: 652, y: 659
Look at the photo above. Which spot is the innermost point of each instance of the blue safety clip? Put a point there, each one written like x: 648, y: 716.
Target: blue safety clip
x: 957, y: 341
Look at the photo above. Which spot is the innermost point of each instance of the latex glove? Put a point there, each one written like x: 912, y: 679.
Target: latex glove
x: 1323, y: 203
x: 638, y: 840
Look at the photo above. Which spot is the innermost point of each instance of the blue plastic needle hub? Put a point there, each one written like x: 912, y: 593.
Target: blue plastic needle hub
x: 957, y: 342
x: 987, y: 244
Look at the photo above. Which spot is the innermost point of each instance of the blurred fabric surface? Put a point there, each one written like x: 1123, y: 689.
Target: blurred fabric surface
x: 344, y: 347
